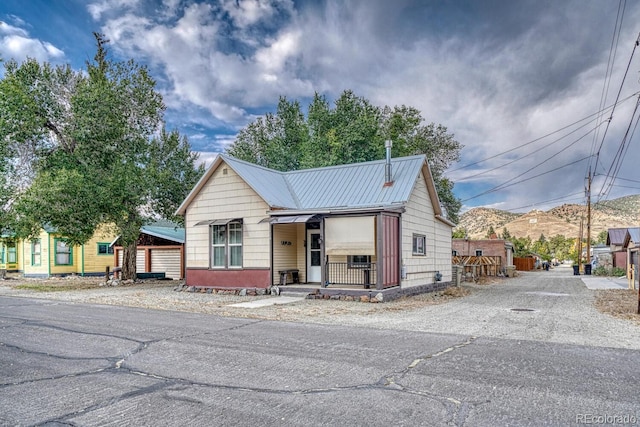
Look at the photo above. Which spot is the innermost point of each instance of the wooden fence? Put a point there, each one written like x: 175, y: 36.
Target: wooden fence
x: 479, y: 265
x: 524, y: 264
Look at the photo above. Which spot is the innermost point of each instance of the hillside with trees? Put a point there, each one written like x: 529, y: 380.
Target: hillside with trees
x: 553, y: 233
x: 561, y: 220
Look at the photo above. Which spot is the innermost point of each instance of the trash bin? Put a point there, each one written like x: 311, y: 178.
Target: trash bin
x: 587, y: 269
x: 576, y: 270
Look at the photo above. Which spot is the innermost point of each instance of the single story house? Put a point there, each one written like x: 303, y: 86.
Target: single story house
x: 374, y: 225
x: 49, y: 255
x: 160, y: 249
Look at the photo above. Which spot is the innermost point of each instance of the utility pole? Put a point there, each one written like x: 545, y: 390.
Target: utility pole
x: 580, y: 245
x: 589, y: 220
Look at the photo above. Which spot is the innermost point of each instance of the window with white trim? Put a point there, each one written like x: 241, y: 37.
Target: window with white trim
x: 479, y: 252
x: 419, y: 244
x: 36, y: 248
x: 226, y: 245
x: 12, y: 253
x: 64, y: 256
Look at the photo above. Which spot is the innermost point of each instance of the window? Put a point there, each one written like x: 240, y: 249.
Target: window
x: 454, y: 253
x: 419, y: 244
x: 226, y: 245
x: 12, y: 254
x: 479, y: 252
x: 64, y: 256
x: 36, y: 248
x: 105, y: 249
x: 359, y: 261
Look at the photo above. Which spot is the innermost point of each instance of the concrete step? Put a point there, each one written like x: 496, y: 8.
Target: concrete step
x: 293, y: 293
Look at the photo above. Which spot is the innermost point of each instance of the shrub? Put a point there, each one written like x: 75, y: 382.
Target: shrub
x: 617, y: 272
x: 603, y: 271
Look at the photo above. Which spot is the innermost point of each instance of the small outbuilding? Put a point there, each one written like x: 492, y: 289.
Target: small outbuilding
x: 160, y: 249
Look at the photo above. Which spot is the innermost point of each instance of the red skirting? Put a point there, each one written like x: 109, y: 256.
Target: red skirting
x: 255, y: 278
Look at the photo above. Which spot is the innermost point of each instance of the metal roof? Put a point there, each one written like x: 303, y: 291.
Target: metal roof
x: 615, y: 236
x: 271, y: 185
x: 344, y: 186
x: 174, y: 233
x: 634, y: 235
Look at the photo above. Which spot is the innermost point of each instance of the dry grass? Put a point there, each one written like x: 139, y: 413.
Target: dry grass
x: 621, y: 303
x: 67, y: 283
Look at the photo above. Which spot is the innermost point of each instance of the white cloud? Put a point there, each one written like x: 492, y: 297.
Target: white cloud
x: 496, y: 77
x: 225, y: 83
x: 15, y: 43
x: 273, y: 57
x: 245, y: 13
x: 206, y: 158
x: 105, y: 7
x: 10, y: 30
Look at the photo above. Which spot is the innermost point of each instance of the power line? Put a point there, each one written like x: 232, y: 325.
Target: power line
x: 624, y: 77
x: 567, y: 197
x: 501, y: 187
x: 613, y: 49
x: 549, y: 134
x: 627, y: 179
x: 463, y: 179
x: 616, y: 163
x: 625, y: 186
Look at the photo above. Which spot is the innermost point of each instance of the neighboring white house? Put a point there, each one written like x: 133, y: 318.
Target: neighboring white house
x: 374, y: 225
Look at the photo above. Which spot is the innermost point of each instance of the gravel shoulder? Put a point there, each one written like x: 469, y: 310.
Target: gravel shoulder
x: 551, y: 306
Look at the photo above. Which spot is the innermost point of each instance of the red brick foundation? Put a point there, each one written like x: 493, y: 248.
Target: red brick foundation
x: 221, y: 279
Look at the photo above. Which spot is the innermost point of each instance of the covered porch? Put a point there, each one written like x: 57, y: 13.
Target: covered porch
x: 357, y: 251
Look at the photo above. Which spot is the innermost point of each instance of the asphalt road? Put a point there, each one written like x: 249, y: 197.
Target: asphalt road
x: 88, y: 365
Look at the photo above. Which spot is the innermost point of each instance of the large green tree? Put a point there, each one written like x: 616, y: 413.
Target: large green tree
x: 98, y: 150
x: 351, y: 131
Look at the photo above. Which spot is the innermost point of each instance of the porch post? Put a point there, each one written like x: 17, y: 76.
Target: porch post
x: 272, y: 246
x: 379, y: 252
x: 323, y: 263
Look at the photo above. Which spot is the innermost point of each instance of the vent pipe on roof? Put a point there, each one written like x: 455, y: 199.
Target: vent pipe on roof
x: 387, y: 167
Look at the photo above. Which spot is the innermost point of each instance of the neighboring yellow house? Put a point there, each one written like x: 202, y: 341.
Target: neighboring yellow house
x: 48, y: 255
x: 9, y: 250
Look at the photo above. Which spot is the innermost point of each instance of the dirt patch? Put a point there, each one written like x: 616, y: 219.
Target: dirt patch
x: 621, y: 303
x: 160, y: 295
x: 72, y: 283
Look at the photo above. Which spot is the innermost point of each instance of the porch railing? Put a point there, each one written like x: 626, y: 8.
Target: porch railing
x: 343, y: 273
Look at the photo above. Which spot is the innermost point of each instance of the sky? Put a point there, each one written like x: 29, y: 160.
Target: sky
x: 519, y: 83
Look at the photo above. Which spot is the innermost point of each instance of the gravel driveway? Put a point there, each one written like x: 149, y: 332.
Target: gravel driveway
x: 552, y: 306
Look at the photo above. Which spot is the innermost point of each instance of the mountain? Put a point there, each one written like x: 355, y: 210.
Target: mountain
x: 565, y: 219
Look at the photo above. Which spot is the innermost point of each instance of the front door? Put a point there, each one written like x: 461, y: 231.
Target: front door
x: 313, y: 256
